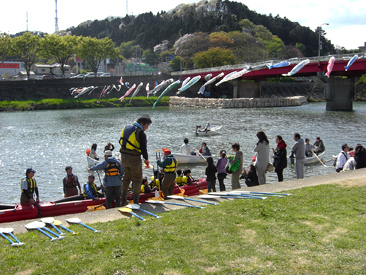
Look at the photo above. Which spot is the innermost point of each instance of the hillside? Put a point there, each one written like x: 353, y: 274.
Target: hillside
x: 149, y: 30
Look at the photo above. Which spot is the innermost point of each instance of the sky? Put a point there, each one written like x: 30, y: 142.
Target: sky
x: 346, y: 18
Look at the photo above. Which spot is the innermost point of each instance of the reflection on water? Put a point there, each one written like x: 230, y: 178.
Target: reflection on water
x: 48, y: 141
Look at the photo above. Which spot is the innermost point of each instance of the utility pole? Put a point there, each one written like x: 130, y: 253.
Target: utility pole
x: 26, y: 20
x: 126, y: 7
x: 321, y: 33
x: 56, y: 19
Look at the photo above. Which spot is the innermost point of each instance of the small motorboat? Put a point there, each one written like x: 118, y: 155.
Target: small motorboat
x: 212, y: 132
x: 190, y: 159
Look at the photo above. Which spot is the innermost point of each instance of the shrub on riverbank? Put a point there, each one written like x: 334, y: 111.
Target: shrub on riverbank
x: 72, y: 103
x: 318, y: 230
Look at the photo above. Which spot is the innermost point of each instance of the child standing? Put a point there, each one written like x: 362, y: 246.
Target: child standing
x: 211, y: 171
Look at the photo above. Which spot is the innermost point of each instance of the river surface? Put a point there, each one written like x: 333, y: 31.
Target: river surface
x: 48, y: 141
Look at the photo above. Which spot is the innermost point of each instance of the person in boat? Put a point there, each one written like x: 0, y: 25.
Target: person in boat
x: 237, y: 162
x: 204, y: 150
x: 207, y: 127
x: 221, y: 169
x: 169, y: 165
x: 185, y: 148
x: 319, y: 146
x: 113, y: 172
x: 90, y: 189
x: 109, y: 147
x: 71, y: 183
x: 155, y: 181
x: 179, y: 178
x: 145, y: 187
x: 298, y: 149
x: 93, y: 152
x: 29, y: 188
x: 262, y: 150
x: 280, y: 157
x: 188, y: 179
x: 134, y: 145
x: 342, y: 158
x: 210, y: 172
x: 309, y: 148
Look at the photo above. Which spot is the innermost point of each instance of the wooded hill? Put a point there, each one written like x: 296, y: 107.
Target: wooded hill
x: 148, y: 30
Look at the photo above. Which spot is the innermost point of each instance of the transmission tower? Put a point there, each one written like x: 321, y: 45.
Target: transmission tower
x: 56, y: 19
x: 126, y: 7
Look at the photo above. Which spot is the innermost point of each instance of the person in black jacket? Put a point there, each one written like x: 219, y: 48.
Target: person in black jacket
x: 280, y: 157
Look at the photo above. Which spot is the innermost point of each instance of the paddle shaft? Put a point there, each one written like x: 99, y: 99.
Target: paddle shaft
x: 181, y: 204
x: 149, y: 213
x: 3, y: 235
x: 317, y: 157
x: 58, y: 230
x: 95, y: 207
x: 87, y: 226
x: 50, y: 231
x: 11, y: 234
x: 65, y: 228
x: 200, y: 201
x: 137, y: 216
x: 45, y: 233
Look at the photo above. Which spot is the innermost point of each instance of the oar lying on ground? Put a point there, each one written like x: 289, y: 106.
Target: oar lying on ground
x: 230, y: 197
x: 38, y: 225
x: 125, y: 210
x: 137, y: 207
x: 255, y: 196
x: 173, y: 203
x: 59, y: 224
x: 78, y: 221
x: 9, y: 231
x: 262, y: 193
x: 188, y: 199
x: 50, y: 222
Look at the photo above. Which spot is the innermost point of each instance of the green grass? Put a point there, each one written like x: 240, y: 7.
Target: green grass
x: 71, y: 103
x: 318, y: 230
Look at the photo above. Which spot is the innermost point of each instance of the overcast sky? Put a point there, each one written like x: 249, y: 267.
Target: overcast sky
x: 346, y: 18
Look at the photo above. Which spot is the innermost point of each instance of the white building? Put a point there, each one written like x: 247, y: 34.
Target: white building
x: 54, y: 70
x: 10, y: 68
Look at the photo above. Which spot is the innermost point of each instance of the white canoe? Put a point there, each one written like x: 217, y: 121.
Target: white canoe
x: 214, y: 131
x: 311, y: 160
x: 188, y: 159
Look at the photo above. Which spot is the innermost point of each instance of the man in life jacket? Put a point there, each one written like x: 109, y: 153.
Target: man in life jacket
x: 113, y: 172
x: 90, y: 189
x: 71, y: 183
x: 29, y: 187
x: 169, y: 165
x: 134, y: 145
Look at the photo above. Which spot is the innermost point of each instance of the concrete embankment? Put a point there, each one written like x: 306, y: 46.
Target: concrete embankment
x: 237, y: 102
x: 349, y: 178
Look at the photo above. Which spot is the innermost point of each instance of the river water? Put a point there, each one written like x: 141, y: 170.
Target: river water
x: 48, y: 141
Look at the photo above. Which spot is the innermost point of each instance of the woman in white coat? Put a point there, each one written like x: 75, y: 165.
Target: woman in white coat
x: 262, y: 150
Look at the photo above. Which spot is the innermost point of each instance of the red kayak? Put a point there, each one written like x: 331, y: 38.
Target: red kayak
x: 76, y: 204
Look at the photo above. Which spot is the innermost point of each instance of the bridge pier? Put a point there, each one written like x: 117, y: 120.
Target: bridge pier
x: 339, y: 94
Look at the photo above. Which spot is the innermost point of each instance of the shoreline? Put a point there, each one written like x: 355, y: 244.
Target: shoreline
x: 352, y: 177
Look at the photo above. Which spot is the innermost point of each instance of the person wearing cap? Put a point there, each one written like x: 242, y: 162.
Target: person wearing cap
x: 71, y: 183
x: 134, y: 145
x: 169, y: 165
x: 113, y: 172
x: 29, y: 187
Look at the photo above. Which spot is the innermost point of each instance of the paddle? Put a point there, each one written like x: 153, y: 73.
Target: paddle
x: 126, y: 210
x: 318, y: 158
x: 230, y: 197
x: 78, y: 221
x: 50, y: 222
x: 137, y: 207
x: 199, y: 153
x: 9, y: 231
x: 38, y: 225
x: 188, y: 199
x: 95, y: 207
x: 173, y: 203
x: 58, y: 223
x: 236, y: 194
x: 263, y: 193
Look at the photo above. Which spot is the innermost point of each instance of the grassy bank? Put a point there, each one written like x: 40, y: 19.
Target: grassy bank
x: 72, y: 103
x: 318, y: 230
